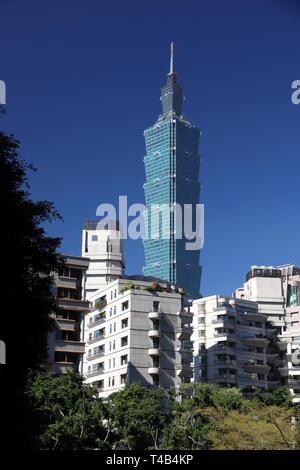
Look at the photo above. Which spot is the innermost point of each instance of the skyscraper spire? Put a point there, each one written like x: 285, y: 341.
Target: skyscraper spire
x: 172, y: 59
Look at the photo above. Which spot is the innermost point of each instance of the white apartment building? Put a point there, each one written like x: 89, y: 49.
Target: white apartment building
x: 277, y: 291
x: 230, y: 344
x: 104, y: 247
x: 264, y: 285
x: 137, y: 331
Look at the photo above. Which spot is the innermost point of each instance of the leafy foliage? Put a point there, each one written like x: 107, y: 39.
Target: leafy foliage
x: 139, y: 414
x: 69, y: 416
x: 67, y: 412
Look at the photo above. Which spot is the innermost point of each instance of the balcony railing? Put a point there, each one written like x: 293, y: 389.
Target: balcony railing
x: 96, y: 322
x: 95, y: 339
x: 95, y: 356
x: 93, y: 373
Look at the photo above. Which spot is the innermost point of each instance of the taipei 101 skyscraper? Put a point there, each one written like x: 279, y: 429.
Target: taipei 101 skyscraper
x: 172, y: 164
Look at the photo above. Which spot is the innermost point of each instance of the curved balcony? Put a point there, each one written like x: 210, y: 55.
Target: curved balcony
x: 184, y: 333
x: 184, y: 370
x: 256, y: 368
x: 256, y: 342
x: 95, y: 339
x: 153, y: 370
x: 91, y: 324
x: 154, y: 315
x: 153, y: 351
x: 154, y: 333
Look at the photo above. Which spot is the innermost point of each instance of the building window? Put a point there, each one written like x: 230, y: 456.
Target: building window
x: 110, y: 311
x: 65, y: 293
x: 99, y: 384
x: 115, y: 310
x: 124, y: 323
x: 115, y: 294
x: 155, y: 306
x: 123, y: 379
x: 114, y: 344
x: 109, y: 381
x: 115, y: 327
x: 124, y: 360
x: 201, y: 333
x: 110, y: 328
x: 155, y: 380
x: 94, y: 238
x: 124, y: 341
x: 125, y: 305
x: 113, y: 381
x: 201, y: 320
x: 110, y: 345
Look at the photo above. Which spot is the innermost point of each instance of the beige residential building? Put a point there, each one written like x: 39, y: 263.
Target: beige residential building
x: 103, y: 245
x: 230, y: 343
x: 137, y: 331
x: 65, y: 343
x: 277, y: 292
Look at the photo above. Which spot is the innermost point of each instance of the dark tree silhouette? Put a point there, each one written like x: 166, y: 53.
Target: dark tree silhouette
x: 28, y: 257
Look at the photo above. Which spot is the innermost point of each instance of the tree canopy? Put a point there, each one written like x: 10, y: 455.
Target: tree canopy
x: 29, y: 257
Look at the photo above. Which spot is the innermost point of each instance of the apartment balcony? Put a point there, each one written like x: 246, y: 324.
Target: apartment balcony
x: 186, y: 356
x: 94, y: 373
x: 184, y: 333
x: 283, y: 370
x: 153, y: 351
x: 248, y: 382
x: 91, y: 324
x: 272, y: 383
x: 224, y: 349
x: 228, y: 362
x: 153, y: 370
x: 153, y: 315
x: 74, y: 304
x: 63, y: 367
x: 70, y: 346
x: 153, y: 333
x: 281, y: 345
x: 185, y: 346
x: 186, y: 316
x: 217, y: 321
x: 220, y: 334
x: 225, y: 378
x: 95, y: 356
x: 66, y: 325
x: 256, y: 368
x: 97, y: 338
x: 294, y: 383
x: 256, y: 342
x: 184, y: 370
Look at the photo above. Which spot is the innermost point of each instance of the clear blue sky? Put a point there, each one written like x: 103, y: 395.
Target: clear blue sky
x: 83, y: 82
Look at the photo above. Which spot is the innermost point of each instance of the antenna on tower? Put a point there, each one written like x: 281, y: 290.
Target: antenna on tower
x: 172, y: 59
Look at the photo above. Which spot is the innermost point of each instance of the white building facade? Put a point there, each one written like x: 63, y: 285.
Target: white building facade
x: 230, y: 344
x: 277, y: 292
x: 137, y: 332
x: 103, y: 245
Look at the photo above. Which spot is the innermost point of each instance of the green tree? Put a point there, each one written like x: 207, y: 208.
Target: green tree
x: 138, y: 416
x: 281, y: 396
x: 187, y: 431
x: 66, y: 412
x: 28, y: 258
